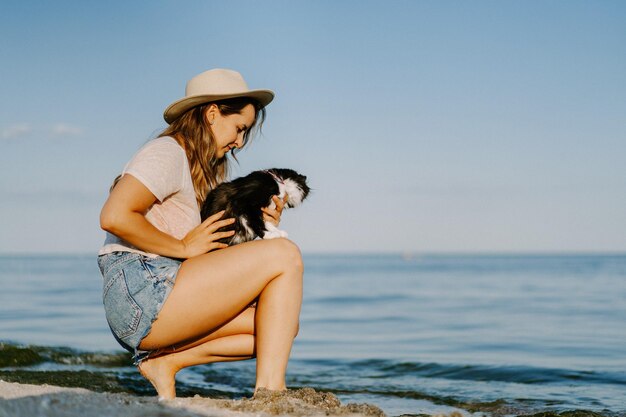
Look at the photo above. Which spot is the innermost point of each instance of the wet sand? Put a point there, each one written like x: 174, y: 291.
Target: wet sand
x: 24, y: 400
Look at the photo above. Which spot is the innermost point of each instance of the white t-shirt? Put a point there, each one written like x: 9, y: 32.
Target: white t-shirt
x: 161, y: 165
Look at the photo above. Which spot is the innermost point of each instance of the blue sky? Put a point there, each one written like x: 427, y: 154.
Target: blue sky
x: 423, y: 126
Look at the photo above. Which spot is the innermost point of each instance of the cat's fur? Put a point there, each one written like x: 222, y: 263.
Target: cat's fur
x: 244, y: 197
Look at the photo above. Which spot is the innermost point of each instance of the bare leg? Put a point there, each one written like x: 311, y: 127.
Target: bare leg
x: 210, y: 291
x: 232, y: 342
x: 161, y: 371
x: 278, y: 309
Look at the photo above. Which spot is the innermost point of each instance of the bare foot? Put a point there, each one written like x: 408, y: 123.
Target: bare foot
x: 161, y: 376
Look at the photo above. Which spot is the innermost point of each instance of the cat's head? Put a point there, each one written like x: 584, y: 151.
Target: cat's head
x: 295, y: 185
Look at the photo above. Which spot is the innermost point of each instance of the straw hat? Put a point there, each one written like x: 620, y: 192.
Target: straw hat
x: 212, y: 85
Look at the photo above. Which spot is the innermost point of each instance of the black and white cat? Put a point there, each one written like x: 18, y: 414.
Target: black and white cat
x: 243, y: 198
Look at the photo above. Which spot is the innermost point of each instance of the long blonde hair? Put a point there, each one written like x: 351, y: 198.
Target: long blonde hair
x: 192, y: 132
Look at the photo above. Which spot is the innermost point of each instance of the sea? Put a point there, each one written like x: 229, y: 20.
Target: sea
x: 413, y: 333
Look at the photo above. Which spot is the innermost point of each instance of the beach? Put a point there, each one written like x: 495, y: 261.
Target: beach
x: 410, y: 334
x: 26, y: 400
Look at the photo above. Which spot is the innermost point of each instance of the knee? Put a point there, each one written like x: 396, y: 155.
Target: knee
x: 289, y: 254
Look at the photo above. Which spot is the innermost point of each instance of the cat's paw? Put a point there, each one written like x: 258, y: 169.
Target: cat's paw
x: 274, y: 234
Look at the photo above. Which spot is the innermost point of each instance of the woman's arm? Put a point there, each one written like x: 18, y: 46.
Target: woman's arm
x: 124, y: 213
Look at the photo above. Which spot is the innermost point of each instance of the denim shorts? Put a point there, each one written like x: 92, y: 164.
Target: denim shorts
x: 134, y: 289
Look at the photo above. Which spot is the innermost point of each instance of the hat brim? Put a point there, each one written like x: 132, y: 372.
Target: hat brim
x: 177, y: 108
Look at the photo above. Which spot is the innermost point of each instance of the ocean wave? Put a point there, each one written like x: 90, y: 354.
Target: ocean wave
x: 499, y: 373
x: 15, y: 355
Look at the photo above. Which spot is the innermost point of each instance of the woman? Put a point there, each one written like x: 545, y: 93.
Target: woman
x: 173, y: 295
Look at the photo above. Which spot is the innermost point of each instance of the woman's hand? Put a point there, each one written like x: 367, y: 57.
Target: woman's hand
x: 203, y: 238
x: 273, y: 215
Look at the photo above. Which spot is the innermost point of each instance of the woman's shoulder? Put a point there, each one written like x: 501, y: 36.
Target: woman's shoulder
x: 161, y: 150
x: 162, y: 147
x: 163, y: 142
x: 160, y: 165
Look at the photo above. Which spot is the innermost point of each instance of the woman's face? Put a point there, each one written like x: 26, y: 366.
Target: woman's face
x: 228, y: 130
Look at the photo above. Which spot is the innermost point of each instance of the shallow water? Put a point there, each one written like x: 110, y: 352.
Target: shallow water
x: 504, y: 335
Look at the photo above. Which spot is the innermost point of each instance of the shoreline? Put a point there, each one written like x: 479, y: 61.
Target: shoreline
x: 27, y: 400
